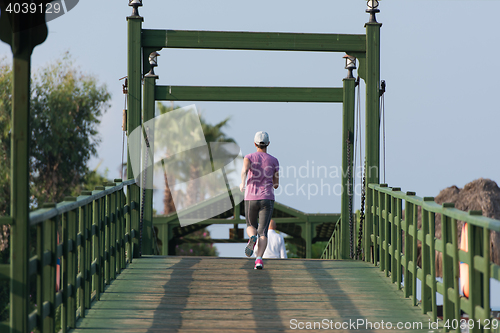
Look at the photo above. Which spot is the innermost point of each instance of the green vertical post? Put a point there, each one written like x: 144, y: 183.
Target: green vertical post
x: 129, y: 245
x: 134, y: 113
x: 64, y: 273
x: 414, y: 253
x: 309, y: 237
x: 408, y: 282
x: 19, y: 232
x: 49, y: 272
x: 456, y: 270
x: 113, y: 234
x: 372, y: 115
x: 426, y: 292
x: 96, y: 242
x: 148, y: 114
x: 87, y: 277
x: 446, y: 236
x: 72, y: 268
x: 107, y: 238
x: 432, y: 263
x: 349, y: 85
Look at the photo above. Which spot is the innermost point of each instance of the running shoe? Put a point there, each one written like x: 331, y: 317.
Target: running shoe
x: 250, y: 246
x: 259, y: 264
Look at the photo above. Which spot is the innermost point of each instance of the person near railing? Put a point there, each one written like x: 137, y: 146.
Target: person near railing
x: 263, y: 178
x: 275, y: 244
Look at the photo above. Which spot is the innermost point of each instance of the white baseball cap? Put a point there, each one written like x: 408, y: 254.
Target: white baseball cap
x: 261, y: 138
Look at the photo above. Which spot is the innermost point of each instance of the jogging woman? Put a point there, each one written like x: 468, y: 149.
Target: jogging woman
x: 263, y: 179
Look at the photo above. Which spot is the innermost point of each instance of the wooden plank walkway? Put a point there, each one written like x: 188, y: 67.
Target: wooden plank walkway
x: 207, y: 294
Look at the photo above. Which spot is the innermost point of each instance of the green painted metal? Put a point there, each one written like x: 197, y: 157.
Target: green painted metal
x: 481, y: 269
x: 272, y: 41
x: 79, y: 225
x: 372, y: 116
x: 306, y: 223
x: 248, y: 94
x: 134, y: 113
x: 19, y: 235
x: 347, y: 163
x: 148, y: 114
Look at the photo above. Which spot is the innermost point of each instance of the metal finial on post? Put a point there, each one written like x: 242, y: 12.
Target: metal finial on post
x: 153, y: 62
x: 350, y: 65
x: 135, y: 4
x: 372, y: 9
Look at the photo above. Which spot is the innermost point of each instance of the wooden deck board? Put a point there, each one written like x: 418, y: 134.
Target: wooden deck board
x: 194, y: 294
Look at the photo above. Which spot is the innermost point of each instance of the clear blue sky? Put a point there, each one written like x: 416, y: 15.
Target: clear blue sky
x: 438, y: 59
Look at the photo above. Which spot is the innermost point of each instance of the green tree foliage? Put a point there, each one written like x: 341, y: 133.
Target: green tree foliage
x: 5, y: 118
x: 66, y: 106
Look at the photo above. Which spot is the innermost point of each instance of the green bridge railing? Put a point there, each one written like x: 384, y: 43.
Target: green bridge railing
x: 394, y: 242
x: 90, y: 239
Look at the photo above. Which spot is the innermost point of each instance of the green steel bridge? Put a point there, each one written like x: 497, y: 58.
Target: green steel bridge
x: 115, y: 276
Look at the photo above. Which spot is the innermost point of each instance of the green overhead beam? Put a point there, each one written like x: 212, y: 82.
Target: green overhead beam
x: 274, y: 41
x: 248, y: 94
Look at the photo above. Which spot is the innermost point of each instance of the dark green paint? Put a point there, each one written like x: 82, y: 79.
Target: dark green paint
x: 276, y: 41
x: 248, y: 94
x: 347, y: 163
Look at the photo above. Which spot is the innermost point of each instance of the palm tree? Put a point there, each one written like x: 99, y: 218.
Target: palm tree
x: 212, y: 133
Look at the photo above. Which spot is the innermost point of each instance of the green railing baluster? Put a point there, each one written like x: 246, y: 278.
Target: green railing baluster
x: 456, y: 268
x: 415, y: 254
x: 447, y: 268
x: 96, y: 249
x: 374, y: 227
x: 112, y: 216
x: 408, y: 282
x: 88, y: 259
x: 64, y: 273
x: 40, y: 246
x: 49, y: 273
x: 81, y: 259
x: 381, y: 232
x: 486, y: 272
x: 107, y: 238
x: 398, y: 252
x: 474, y: 284
x: 72, y: 267
x: 103, y: 246
x: 387, y: 233
x: 432, y: 262
x: 425, y: 295
x: 130, y: 243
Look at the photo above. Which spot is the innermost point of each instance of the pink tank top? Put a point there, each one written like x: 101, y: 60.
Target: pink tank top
x: 260, y: 176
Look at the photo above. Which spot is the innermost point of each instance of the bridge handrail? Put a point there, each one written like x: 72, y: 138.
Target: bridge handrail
x: 393, y: 238
x: 332, y: 248
x: 90, y: 240
x: 42, y: 214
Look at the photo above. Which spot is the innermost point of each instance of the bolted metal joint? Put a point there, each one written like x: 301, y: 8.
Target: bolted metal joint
x: 153, y: 62
x: 372, y: 10
x: 135, y: 4
x: 350, y: 65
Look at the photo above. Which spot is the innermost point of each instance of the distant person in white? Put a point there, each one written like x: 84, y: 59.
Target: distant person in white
x: 275, y: 243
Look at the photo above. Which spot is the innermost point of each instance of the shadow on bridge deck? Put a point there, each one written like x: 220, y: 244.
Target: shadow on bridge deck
x: 203, y: 294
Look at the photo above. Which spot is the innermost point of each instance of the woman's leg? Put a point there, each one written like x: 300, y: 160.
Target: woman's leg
x: 251, y: 215
x: 265, y: 214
